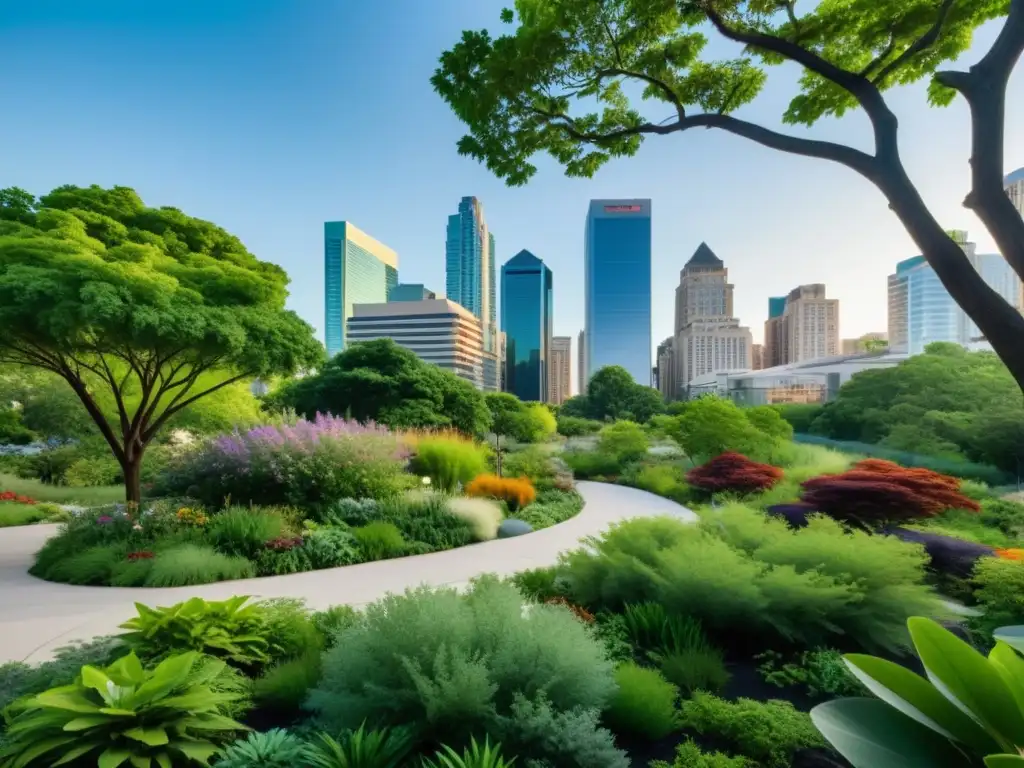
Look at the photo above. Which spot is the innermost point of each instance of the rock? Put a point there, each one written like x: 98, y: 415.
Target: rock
x: 794, y: 514
x: 949, y: 555
x: 513, y: 527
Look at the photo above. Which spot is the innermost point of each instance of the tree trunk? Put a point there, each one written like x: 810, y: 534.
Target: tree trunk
x: 132, y: 469
x: 1001, y: 324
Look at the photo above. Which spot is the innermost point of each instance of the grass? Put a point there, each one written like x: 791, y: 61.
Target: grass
x: 12, y: 513
x: 59, y: 494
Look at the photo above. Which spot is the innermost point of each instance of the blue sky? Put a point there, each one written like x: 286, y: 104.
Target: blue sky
x: 269, y: 117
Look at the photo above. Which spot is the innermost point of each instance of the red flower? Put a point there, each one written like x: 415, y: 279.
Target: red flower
x: 12, y: 496
x: 144, y: 555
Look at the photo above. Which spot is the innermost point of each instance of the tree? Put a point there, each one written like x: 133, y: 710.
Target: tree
x: 516, y: 94
x: 380, y: 381
x: 713, y: 425
x: 147, y: 308
x: 539, y: 423
x: 625, y: 440
x: 507, y: 415
x: 612, y: 394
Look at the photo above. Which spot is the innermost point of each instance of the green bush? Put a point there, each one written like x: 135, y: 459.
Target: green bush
x: 228, y: 629
x: 276, y: 748
x: 18, y: 679
x: 624, y: 440
x: 700, y: 668
x: 644, y: 703
x: 744, y: 575
x: 537, y: 423
x: 661, y: 479
x: 588, y: 464
x: 550, y: 508
x: 533, y: 462
x: 453, y: 662
x: 999, y: 591
x: 373, y: 748
x: 799, y: 415
x: 424, y: 517
x: 289, y: 623
x: 449, y: 461
x: 380, y: 540
x: 131, y: 573
x: 576, y: 426
x: 93, y: 565
x: 88, y: 472
x: 539, y: 732
x: 330, y: 547
x: 537, y: 584
x: 12, y: 513
x: 332, y: 621
x: 770, y: 732
x: 1003, y: 514
x: 822, y: 672
x: 284, y: 686
x: 710, y: 426
x: 475, y: 755
x: 244, y: 531
x: 190, y: 564
x: 689, y: 755
x: 176, y: 708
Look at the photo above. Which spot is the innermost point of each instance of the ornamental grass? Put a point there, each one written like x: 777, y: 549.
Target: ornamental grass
x: 516, y: 492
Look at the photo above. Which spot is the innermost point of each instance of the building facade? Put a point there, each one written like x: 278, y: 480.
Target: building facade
x: 470, y: 276
x: 357, y: 270
x: 526, y: 321
x: 665, y: 370
x: 581, y: 363
x: 810, y: 324
x: 410, y: 292
x: 708, y: 339
x: 560, y: 370
x: 1013, y: 183
x: 438, y: 331
x: 617, y: 288
x: 774, y: 338
x: 756, y: 357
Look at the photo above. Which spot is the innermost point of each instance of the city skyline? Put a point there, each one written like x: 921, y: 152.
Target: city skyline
x: 526, y: 318
x: 216, y: 88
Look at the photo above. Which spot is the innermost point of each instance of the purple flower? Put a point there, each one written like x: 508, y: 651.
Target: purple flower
x: 104, y: 519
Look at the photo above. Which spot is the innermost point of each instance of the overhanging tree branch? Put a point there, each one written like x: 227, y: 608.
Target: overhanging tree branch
x: 925, y: 41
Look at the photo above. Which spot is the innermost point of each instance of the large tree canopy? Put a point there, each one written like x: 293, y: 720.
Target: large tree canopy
x: 150, y: 305
x: 613, y: 394
x: 561, y: 82
x: 946, y: 402
x: 383, y: 382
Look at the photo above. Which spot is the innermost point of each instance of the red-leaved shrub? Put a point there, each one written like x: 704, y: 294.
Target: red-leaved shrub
x: 733, y: 472
x: 875, y: 492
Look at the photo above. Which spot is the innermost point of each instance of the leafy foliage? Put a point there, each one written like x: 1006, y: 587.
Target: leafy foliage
x: 613, y: 394
x: 770, y: 732
x: 625, y: 440
x: 125, y: 712
x: 379, y: 540
x: 733, y: 472
x: 644, y: 704
x: 189, y: 564
x: 276, y: 748
x: 821, y: 672
x: 965, y: 710
x: 876, y: 491
x: 745, y: 576
x: 474, y: 756
x: 999, y: 592
x: 689, y: 755
x: 454, y: 662
x: 245, y: 531
x: 552, y: 507
x: 380, y: 381
x: 18, y: 679
x: 711, y: 426
x: 449, y: 461
x: 78, y: 273
x: 359, y: 748
x: 577, y: 426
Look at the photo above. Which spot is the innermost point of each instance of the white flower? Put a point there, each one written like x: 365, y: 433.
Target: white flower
x: 426, y: 481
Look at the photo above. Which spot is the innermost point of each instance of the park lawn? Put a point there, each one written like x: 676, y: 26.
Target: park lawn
x: 60, y: 494
x: 13, y: 513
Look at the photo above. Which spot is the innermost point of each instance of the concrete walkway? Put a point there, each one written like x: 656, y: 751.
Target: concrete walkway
x: 38, y: 616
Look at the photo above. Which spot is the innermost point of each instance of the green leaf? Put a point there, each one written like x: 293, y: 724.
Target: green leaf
x: 97, y: 680
x: 154, y: 736
x: 963, y: 674
x: 1004, y: 761
x: 68, y: 698
x: 163, y: 760
x: 113, y: 757
x: 871, y: 734
x: 1012, y: 636
x: 141, y: 761
x: 915, y: 697
x: 74, y: 753
x: 40, y: 748
x: 200, y: 751
x: 1011, y: 668
x: 82, y: 723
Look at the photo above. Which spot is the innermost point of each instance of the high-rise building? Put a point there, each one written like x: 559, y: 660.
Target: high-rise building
x: 469, y: 276
x: 810, y: 324
x: 869, y: 342
x: 357, y: 270
x: 756, y: 357
x: 560, y: 370
x: 502, y: 356
x: 410, y: 292
x: 581, y: 363
x: 617, y: 287
x: 438, y: 331
x: 526, y: 321
x: 665, y: 372
x: 708, y: 339
x: 921, y: 311
x: 774, y: 337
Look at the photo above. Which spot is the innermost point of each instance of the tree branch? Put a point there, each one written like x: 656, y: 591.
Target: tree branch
x: 922, y: 43
x: 172, y: 409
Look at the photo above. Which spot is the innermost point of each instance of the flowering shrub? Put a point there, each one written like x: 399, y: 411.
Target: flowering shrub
x: 142, y: 555
x: 579, y: 612
x: 189, y: 516
x: 876, y: 492
x: 16, y: 498
x: 307, y: 463
x: 1010, y: 554
x: 516, y: 492
x: 733, y: 472
x: 284, y: 543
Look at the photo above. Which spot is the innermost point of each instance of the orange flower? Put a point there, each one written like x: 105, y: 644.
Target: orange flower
x: 1010, y: 554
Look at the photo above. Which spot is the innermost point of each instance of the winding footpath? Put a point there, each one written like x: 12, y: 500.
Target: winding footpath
x: 38, y: 616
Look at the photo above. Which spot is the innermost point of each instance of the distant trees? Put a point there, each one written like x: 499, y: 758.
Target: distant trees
x: 613, y: 394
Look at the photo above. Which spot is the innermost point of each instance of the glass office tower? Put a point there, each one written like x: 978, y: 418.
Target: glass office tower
x: 357, y: 270
x: 617, y: 285
x: 526, y: 321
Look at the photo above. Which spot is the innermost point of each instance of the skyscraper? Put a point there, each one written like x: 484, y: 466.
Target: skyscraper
x: 617, y: 288
x: 469, y: 276
x: 560, y: 370
x: 1013, y: 183
x: 666, y: 369
x: 581, y: 363
x: 774, y: 338
x: 526, y: 320
x: 708, y: 339
x: 411, y: 292
x: 811, y: 322
x: 357, y: 270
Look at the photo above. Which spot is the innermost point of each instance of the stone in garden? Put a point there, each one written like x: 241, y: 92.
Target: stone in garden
x: 512, y: 527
